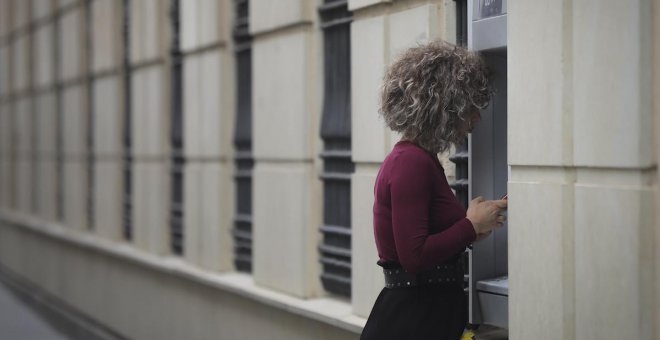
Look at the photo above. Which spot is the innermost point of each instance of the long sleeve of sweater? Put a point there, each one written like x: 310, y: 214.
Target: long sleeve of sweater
x: 411, y: 187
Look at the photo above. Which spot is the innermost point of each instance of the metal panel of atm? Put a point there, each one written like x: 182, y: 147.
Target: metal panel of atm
x: 488, y: 286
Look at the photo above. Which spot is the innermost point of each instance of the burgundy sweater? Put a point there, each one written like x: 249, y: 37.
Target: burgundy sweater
x: 418, y: 222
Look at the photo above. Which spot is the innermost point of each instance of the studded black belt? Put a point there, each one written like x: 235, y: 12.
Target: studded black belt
x: 449, y: 273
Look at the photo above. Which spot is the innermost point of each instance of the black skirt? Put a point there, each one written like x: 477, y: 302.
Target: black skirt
x: 436, y: 312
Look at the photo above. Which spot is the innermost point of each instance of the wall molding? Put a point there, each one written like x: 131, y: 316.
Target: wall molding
x: 330, y: 310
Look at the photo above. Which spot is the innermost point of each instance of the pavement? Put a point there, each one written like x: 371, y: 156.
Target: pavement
x: 19, y: 322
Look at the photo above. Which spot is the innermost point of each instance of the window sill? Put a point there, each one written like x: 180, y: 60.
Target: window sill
x: 329, y: 310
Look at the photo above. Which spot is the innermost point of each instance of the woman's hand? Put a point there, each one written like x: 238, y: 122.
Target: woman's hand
x: 485, y: 215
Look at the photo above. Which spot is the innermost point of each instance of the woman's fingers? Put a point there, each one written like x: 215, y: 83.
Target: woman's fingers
x: 478, y: 199
x: 486, y: 214
x: 501, y: 204
x: 498, y: 221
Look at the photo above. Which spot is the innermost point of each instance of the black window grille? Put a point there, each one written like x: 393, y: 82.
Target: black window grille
x: 335, y: 249
x: 460, y: 183
x: 176, y: 135
x: 90, y: 117
x: 59, y: 114
x: 35, y: 96
x: 461, y: 156
x: 461, y: 22
x: 8, y: 152
x: 13, y: 157
x: 242, y: 231
x: 128, y: 189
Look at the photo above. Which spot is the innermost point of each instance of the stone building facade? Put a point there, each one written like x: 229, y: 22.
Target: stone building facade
x: 176, y: 169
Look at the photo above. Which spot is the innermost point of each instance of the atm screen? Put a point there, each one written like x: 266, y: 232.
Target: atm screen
x: 490, y: 8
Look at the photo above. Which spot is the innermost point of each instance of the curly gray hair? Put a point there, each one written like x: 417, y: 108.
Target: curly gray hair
x: 431, y: 90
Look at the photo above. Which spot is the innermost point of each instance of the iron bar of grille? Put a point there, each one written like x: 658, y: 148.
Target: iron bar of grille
x: 461, y: 156
x: 176, y: 209
x: 176, y: 135
x: 90, y: 117
x: 335, y: 248
x: 128, y: 189
x: 59, y: 167
x: 36, y: 181
x: 461, y: 186
x: 12, y: 156
x: 127, y: 205
x: 244, y: 162
x: 176, y: 206
x: 461, y: 22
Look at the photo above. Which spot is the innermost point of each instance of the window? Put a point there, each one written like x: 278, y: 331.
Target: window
x: 461, y: 156
x: 176, y: 135
x: 461, y: 22
x: 59, y: 182
x: 90, y: 117
x: 127, y: 206
x: 244, y: 162
x: 335, y: 250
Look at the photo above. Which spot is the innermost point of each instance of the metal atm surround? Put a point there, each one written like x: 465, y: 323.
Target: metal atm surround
x: 488, y: 170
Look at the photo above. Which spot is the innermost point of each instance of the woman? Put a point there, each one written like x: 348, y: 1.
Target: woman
x: 432, y: 96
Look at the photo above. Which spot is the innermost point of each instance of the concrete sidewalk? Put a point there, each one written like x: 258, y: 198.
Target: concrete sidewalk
x: 19, y: 322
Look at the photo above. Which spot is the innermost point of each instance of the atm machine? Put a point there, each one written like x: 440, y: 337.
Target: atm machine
x: 488, y: 286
